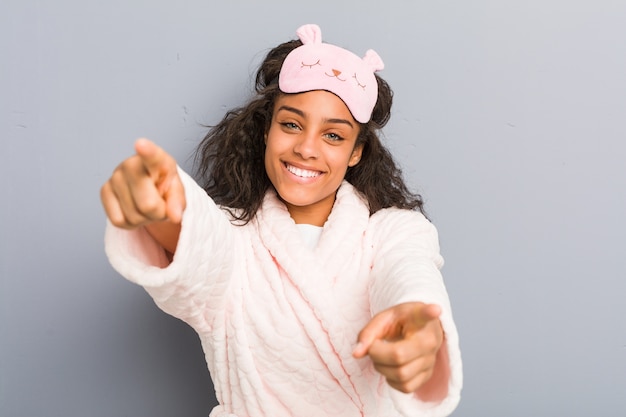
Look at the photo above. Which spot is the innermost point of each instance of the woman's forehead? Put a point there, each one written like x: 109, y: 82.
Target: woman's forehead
x: 316, y: 103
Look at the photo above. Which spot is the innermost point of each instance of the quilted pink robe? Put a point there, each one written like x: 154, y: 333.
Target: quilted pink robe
x: 277, y: 320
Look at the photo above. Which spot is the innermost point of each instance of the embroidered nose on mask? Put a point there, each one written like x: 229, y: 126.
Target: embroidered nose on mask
x: 336, y: 74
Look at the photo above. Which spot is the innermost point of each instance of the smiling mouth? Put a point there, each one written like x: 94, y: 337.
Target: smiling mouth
x: 302, y: 173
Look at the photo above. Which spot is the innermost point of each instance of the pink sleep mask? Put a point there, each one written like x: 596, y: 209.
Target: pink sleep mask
x: 322, y: 66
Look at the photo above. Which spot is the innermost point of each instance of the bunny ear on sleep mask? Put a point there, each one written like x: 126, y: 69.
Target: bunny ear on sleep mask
x: 322, y: 66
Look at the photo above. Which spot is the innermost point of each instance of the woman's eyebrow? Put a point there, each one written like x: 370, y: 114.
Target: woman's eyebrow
x: 344, y: 121
x: 303, y: 114
x: 293, y: 110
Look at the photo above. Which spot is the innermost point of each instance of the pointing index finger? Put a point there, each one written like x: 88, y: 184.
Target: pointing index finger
x: 154, y: 158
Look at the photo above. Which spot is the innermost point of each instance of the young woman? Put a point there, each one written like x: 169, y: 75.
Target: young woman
x: 303, y: 262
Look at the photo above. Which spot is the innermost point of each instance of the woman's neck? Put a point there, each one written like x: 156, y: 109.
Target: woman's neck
x: 314, y: 214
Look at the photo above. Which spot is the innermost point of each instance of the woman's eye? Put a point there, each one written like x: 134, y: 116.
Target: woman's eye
x: 290, y: 125
x: 333, y: 136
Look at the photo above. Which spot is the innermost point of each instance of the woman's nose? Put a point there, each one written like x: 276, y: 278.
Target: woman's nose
x: 307, y: 146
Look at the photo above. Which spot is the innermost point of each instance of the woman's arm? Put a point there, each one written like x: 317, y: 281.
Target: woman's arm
x: 419, y: 352
x: 166, y: 234
x: 189, y: 284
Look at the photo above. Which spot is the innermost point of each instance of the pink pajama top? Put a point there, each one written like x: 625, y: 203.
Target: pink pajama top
x: 277, y: 320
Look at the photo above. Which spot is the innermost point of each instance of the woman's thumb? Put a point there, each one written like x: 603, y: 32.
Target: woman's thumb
x: 175, y: 200
x: 373, y: 330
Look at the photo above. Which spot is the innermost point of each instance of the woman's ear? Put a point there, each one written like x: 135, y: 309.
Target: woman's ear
x: 356, y: 155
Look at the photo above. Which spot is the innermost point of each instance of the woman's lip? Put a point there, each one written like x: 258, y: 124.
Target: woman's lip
x: 302, y: 172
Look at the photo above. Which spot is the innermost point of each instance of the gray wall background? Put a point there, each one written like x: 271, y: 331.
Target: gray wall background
x: 509, y: 118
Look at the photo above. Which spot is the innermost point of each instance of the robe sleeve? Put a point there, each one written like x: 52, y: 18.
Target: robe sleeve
x: 192, y: 285
x: 406, y: 268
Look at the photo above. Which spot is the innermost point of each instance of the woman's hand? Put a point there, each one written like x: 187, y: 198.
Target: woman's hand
x: 403, y: 342
x: 146, y: 190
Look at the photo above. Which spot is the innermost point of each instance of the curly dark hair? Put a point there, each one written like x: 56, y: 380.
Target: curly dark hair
x: 230, y: 159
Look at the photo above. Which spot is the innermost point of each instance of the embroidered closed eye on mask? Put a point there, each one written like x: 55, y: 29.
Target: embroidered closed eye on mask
x: 322, y: 66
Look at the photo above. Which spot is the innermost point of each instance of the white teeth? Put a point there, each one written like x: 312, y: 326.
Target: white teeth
x: 304, y: 173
